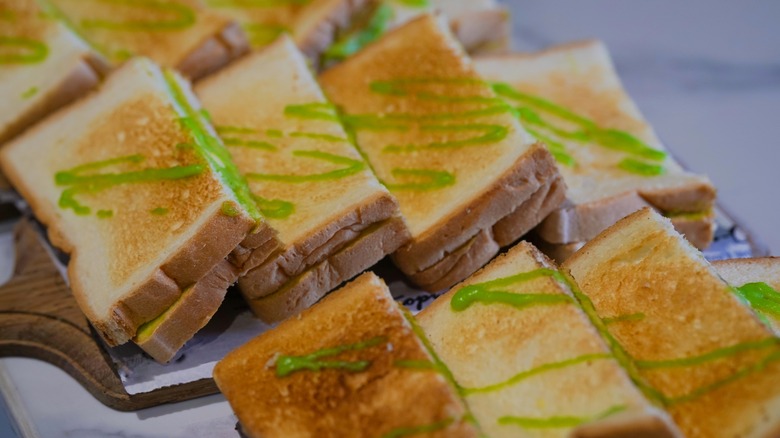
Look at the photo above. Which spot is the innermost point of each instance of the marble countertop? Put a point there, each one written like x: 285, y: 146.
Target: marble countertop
x: 705, y: 74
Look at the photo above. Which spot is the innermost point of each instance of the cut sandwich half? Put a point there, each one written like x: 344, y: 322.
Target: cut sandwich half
x: 469, y: 179
x: 350, y: 366
x: 43, y: 66
x: 133, y: 184
x: 527, y: 359
x: 571, y: 98
x: 691, y: 343
x: 334, y: 219
x: 757, y: 281
x: 179, y: 34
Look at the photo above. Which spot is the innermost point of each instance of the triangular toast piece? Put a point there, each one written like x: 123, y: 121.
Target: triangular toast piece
x: 757, y: 280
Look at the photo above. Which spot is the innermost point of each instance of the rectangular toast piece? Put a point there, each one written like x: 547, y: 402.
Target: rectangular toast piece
x: 693, y: 345
x: 132, y: 182
x: 571, y: 98
x: 46, y: 67
x: 450, y: 151
x: 757, y: 281
x: 314, y: 187
x: 527, y: 359
x: 351, y: 366
x: 180, y: 34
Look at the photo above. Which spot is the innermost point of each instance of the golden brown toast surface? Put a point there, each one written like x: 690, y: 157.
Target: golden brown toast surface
x: 358, y: 327
x: 700, y: 351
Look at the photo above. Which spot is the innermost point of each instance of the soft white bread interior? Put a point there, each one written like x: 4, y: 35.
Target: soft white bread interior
x: 318, y: 192
x: 450, y: 151
x: 758, y: 281
x: 350, y: 366
x: 525, y: 356
x: 694, y: 346
x: 133, y: 184
x: 48, y: 66
x: 175, y: 33
x: 571, y: 98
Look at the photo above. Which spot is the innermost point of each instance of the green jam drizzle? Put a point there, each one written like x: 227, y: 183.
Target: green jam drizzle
x: 557, y: 422
x: 639, y: 316
x: 587, y: 131
x: 719, y: 353
x: 104, y: 214
x: 490, y: 134
x: 184, y: 17
x: 261, y: 34
x: 352, y: 42
x: 762, y: 297
x: 211, y: 150
x: 427, y: 179
x: 314, y: 110
x: 417, y: 365
x: 274, y: 208
x: 517, y: 378
x: 414, y: 430
x: 159, y: 211
x: 229, y: 209
x: 414, y: 3
x: 82, y: 181
x: 30, y: 92
x: 487, y: 292
x: 18, y: 50
x: 351, y: 166
x: 286, y: 365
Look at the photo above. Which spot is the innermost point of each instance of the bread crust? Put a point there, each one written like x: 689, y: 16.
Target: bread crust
x: 214, y: 53
x: 308, y: 287
x: 329, y: 17
x: 487, y: 31
x: 189, y: 316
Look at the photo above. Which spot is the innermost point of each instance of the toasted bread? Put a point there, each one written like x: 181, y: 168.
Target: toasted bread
x: 482, y: 26
x: 351, y: 366
x: 51, y: 68
x: 132, y: 182
x: 453, y: 155
x: 690, y: 343
x: 296, y: 160
x: 176, y: 33
x: 757, y: 280
x: 537, y: 363
x: 571, y: 98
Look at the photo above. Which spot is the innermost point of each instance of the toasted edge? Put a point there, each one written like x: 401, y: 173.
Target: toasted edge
x: 317, y: 27
x: 487, y: 31
x: 307, y: 288
x: 215, y: 53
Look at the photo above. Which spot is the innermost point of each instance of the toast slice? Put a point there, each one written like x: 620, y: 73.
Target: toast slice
x: 482, y: 26
x: 133, y: 184
x: 691, y: 343
x: 350, y: 366
x: 450, y: 151
x: 571, y: 98
x: 527, y: 359
x: 318, y: 193
x: 44, y: 66
x: 757, y: 281
x: 179, y: 34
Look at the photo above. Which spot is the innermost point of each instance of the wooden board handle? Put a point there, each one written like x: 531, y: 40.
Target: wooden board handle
x: 39, y: 318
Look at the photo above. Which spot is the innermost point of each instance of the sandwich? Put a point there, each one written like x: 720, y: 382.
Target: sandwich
x: 757, y: 282
x: 482, y: 26
x: 44, y: 66
x: 133, y: 183
x: 686, y: 338
x: 468, y: 178
x: 353, y: 365
x: 527, y: 359
x: 179, y: 34
x: 570, y: 97
x: 333, y: 217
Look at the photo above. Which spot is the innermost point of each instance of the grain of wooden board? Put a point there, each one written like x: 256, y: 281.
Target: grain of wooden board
x: 39, y: 318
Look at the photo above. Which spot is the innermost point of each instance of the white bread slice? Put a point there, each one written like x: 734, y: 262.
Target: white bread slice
x: 180, y: 34
x: 251, y: 103
x: 134, y: 246
x: 482, y: 26
x: 766, y: 270
x: 693, y: 345
x: 522, y: 370
x: 448, y: 149
x: 392, y: 388
x: 52, y: 66
x: 579, y: 78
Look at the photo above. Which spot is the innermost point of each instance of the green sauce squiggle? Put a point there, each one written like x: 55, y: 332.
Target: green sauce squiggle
x: 351, y: 166
x: 762, y: 297
x: 353, y: 42
x: 19, y: 50
x: 557, y: 422
x: 286, y: 365
x: 427, y: 179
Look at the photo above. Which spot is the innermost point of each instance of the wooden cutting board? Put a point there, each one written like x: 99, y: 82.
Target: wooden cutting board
x: 39, y: 318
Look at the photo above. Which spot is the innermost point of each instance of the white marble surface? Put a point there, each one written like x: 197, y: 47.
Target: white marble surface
x: 706, y: 74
